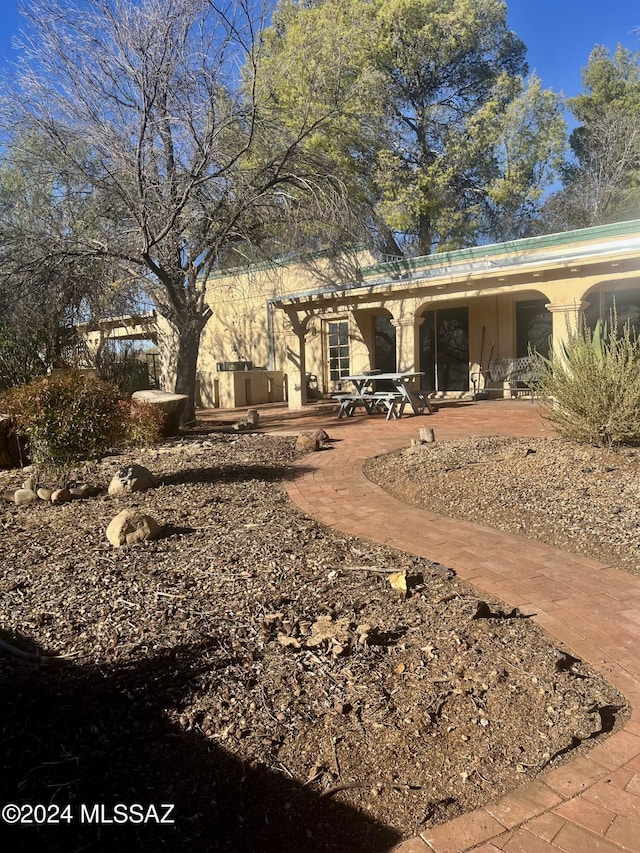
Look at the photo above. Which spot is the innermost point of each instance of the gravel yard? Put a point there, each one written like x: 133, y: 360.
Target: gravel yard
x: 583, y: 499
x: 286, y: 687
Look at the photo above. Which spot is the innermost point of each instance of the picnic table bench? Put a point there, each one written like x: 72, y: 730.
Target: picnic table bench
x: 378, y: 401
x: 392, y: 402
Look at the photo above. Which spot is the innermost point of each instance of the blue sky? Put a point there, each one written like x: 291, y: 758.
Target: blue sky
x: 559, y: 34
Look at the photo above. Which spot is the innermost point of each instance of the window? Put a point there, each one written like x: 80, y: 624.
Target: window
x: 533, y: 327
x: 338, y: 340
x: 626, y: 303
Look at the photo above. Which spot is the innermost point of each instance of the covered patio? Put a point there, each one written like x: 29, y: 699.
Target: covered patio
x: 451, y: 316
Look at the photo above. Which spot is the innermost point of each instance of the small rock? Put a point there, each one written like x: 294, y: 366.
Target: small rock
x: 132, y: 478
x: 81, y: 492
x: 60, y: 496
x: 24, y: 496
x: 30, y: 484
x: 130, y: 527
x: 44, y: 494
x: 306, y: 442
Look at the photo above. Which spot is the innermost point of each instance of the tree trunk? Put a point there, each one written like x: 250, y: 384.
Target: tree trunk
x: 189, y: 334
x: 425, y: 236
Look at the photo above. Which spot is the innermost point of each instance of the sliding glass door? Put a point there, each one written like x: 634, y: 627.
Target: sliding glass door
x: 444, y: 349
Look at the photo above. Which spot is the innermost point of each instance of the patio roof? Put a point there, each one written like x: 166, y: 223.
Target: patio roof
x: 566, y: 253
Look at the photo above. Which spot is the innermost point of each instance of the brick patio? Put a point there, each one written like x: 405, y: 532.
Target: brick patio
x: 591, y: 803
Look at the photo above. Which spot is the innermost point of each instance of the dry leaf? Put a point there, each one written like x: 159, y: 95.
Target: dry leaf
x: 325, y: 629
x: 288, y: 641
x: 398, y: 580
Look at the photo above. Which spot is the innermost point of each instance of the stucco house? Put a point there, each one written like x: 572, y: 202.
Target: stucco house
x: 448, y: 315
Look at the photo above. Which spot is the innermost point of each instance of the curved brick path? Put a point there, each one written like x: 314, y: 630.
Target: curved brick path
x: 591, y: 803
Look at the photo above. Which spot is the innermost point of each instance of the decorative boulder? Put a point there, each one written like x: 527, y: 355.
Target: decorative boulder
x: 171, y: 405
x: 132, y: 478
x: 321, y: 435
x: 82, y: 492
x: 60, y: 496
x: 130, y: 527
x: 24, y: 496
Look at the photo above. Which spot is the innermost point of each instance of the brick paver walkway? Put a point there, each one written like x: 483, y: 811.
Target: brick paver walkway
x: 591, y: 803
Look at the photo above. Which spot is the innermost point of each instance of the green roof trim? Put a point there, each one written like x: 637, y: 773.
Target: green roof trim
x: 523, y: 246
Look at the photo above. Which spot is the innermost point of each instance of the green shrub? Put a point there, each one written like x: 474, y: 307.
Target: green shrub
x: 66, y: 418
x: 72, y: 417
x: 592, y: 388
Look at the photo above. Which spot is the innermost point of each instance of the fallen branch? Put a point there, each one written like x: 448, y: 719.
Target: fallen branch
x: 30, y: 656
x: 341, y: 786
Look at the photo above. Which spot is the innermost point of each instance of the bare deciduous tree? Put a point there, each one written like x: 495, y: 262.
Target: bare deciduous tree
x: 600, y: 188
x: 44, y: 287
x: 157, y: 107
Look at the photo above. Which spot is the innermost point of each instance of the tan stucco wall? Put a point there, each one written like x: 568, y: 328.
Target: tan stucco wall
x: 239, y: 329
x: 243, y: 388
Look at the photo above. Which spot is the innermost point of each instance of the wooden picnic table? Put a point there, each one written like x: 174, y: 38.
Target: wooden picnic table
x: 393, y: 401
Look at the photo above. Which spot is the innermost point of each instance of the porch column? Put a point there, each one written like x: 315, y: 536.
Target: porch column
x: 407, y: 342
x: 296, y: 363
x: 565, y: 319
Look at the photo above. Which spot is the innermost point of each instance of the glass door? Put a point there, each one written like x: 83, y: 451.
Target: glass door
x: 444, y: 349
x: 337, y: 353
x: 384, y: 356
x: 384, y: 353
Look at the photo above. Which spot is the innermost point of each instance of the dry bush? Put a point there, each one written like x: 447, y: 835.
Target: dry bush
x: 592, y: 388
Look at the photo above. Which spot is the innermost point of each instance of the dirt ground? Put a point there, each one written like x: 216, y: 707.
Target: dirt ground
x: 283, y: 686
x: 580, y: 498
